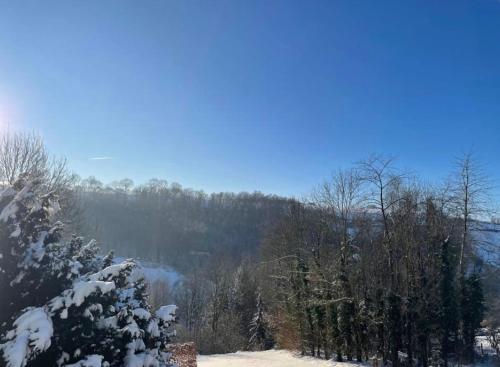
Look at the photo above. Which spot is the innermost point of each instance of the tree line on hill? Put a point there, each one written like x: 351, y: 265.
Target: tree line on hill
x: 181, y: 227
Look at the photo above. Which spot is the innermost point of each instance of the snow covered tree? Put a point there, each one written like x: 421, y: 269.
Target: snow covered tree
x: 243, y: 299
x: 260, y: 335
x: 63, y: 305
x: 28, y: 242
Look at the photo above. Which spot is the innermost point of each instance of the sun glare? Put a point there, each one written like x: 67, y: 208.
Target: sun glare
x: 7, y: 113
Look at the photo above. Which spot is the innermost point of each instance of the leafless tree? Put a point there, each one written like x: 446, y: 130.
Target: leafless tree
x: 341, y: 196
x: 25, y: 155
x: 381, y: 174
x: 470, y: 196
x: 384, y: 181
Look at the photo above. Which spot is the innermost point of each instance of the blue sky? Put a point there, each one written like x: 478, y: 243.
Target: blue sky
x: 253, y: 95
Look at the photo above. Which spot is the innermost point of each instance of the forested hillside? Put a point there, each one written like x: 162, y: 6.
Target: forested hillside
x: 167, y: 224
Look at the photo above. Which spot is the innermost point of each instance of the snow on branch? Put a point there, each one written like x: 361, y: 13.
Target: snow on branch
x: 32, y: 335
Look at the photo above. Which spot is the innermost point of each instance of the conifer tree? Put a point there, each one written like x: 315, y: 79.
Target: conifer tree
x: 346, y: 311
x: 394, y: 325
x: 260, y: 335
x: 363, y: 328
x: 472, y: 312
x: 28, y: 247
x: 320, y: 318
x: 65, y: 305
x: 449, y: 309
x: 335, y: 336
x: 245, y: 294
x: 306, y: 295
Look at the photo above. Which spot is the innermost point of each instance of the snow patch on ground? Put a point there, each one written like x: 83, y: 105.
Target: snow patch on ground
x: 269, y: 358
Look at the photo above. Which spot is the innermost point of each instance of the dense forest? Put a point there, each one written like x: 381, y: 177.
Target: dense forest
x: 373, y: 263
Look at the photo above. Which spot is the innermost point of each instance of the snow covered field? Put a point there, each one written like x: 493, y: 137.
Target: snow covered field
x: 270, y: 358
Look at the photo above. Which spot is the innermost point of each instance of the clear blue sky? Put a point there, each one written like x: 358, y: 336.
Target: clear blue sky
x: 253, y: 95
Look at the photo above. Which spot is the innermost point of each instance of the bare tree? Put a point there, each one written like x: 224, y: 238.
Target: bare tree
x: 25, y: 155
x: 380, y: 173
x: 470, y: 196
x: 340, y: 197
x: 384, y: 181
x: 21, y: 153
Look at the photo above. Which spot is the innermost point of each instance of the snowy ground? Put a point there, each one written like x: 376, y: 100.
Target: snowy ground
x: 281, y: 358
x: 270, y: 358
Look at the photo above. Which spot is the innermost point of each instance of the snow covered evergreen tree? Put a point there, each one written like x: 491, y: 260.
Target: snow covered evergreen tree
x: 260, y: 335
x: 63, y: 305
